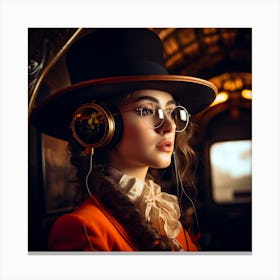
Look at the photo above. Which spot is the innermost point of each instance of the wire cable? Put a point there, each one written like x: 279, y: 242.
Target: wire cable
x: 89, y: 172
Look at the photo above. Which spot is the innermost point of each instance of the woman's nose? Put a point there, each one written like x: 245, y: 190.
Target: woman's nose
x: 167, y: 126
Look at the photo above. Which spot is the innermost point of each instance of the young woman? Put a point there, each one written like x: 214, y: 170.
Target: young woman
x: 127, y: 123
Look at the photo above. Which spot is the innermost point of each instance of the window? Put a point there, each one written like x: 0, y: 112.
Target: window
x: 231, y: 171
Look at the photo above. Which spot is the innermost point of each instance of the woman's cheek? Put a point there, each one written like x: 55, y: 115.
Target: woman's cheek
x: 136, y: 136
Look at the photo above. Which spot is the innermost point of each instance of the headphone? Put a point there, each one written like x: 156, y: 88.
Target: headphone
x: 95, y: 126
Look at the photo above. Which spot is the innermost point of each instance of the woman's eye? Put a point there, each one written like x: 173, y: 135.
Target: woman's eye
x: 147, y: 111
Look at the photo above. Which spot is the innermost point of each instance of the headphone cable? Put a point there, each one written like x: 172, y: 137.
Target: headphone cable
x: 89, y: 172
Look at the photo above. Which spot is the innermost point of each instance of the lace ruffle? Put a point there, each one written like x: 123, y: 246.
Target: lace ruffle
x: 157, y: 207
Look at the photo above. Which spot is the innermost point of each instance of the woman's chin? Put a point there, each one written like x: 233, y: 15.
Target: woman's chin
x: 161, y: 163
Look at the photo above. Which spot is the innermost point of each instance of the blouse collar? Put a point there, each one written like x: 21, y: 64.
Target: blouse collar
x: 157, y: 207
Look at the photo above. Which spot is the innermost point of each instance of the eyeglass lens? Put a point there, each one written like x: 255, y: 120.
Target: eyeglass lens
x: 153, y: 116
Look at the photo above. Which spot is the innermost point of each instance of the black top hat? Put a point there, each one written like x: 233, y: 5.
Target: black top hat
x: 112, y: 61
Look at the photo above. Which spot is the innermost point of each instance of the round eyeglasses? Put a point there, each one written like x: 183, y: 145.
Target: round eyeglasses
x: 153, y: 116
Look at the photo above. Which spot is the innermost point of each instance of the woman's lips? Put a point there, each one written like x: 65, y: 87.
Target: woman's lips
x: 165, y: 146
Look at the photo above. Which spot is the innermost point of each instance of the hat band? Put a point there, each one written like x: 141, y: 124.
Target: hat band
x: 105, y: 69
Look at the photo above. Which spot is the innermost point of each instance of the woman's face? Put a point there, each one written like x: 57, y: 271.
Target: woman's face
x: 143, y: 146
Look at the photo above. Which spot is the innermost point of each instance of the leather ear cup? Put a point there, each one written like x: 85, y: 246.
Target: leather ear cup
x: 95, y: 126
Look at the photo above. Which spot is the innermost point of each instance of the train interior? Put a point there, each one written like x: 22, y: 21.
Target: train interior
x: 222, y: 140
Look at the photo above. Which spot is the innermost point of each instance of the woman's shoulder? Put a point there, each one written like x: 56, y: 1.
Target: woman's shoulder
x: 89, y: 222
x: 90, y: 213
x: 90, y: 208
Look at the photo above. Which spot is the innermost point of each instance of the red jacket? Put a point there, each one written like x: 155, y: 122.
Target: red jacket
x: 92, y: 228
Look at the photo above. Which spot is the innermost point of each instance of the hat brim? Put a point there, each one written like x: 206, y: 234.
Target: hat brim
x: 53, y: 116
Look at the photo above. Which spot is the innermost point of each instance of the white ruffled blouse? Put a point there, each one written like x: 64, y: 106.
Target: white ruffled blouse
x: 157, y: 207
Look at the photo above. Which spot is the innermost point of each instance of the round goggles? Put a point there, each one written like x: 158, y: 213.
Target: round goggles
x: 153, y: 116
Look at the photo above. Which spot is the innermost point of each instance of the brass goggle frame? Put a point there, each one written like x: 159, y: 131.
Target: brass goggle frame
x: 92, y: 116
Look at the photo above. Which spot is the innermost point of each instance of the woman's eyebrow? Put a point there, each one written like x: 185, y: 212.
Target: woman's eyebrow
x: 151, y: 98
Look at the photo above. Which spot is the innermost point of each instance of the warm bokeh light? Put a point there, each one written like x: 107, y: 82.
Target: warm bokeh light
x: 233, y: 84
x: 221, y: 97
x: 246, y: 93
